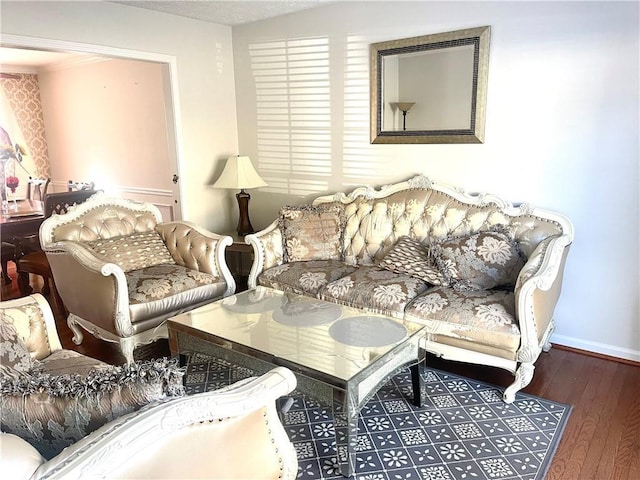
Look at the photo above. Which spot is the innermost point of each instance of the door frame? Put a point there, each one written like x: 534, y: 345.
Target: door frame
x: 170, y: 80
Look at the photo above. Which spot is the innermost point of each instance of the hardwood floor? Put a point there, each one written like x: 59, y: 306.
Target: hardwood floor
x: 602, y: 438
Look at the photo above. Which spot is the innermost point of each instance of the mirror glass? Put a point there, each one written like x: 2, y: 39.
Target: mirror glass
x: 430, y: 89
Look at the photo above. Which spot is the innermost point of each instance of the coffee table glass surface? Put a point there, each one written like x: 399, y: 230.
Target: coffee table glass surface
x: 341, y: 355
x: 335, y: 340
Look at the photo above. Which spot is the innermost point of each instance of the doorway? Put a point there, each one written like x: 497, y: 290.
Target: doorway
x: 111, y: 117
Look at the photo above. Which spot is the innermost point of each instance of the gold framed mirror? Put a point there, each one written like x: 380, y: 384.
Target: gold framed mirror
x: 430, y: 89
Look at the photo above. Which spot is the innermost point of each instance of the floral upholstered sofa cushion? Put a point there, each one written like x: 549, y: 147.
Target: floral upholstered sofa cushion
x: 483, y: 317
x: 375, y: 290
x: 161, y: 281
x: 305, y: 277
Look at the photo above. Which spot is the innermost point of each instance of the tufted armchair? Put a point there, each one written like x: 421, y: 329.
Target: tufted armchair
x: 121, y: 272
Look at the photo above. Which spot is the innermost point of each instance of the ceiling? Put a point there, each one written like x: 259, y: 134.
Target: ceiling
x: 230, y: 12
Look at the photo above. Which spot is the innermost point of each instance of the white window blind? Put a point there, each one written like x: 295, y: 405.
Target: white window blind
x: 361, y: 160
x: 293, y: 114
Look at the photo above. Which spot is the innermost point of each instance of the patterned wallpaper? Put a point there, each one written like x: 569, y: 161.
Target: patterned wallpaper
x: 23, y: 94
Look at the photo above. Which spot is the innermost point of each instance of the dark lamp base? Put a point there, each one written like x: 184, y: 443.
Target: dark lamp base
x: 244, y: 224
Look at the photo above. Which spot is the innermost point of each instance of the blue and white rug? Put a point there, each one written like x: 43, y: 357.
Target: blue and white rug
x: 464, y: 431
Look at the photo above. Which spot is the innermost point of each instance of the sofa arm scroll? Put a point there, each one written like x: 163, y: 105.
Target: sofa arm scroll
x: 80, y: 275
x: 537, y: 292
x: 267, y: 251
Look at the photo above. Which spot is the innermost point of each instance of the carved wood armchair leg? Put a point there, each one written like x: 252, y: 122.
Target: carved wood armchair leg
x: 77, y: 331
x: 524, y: 374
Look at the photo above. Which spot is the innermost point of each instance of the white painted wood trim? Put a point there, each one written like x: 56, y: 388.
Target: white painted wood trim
x: 596, y: 347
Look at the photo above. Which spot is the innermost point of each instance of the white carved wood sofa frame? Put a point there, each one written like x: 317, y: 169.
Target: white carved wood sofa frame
x: 374, y: 223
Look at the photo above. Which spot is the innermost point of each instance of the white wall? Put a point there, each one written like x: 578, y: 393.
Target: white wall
x: 207, y: 116
x: 105, y: 122
x: 562, y: 132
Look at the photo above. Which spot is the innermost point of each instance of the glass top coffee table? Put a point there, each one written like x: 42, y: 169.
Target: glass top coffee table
x: 341, y: 356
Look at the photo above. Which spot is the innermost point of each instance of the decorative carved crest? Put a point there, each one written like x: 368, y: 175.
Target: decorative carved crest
x: 420, y: 181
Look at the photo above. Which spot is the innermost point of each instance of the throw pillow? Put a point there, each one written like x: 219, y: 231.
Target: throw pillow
x: 410, y: 257
x: 52, y: 412
x: 312, y: 232
x: 479, y: 261
x: 133, y: 252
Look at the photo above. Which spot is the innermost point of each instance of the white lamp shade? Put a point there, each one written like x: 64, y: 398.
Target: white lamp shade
x: 404, y: 106
x: 239, y: 173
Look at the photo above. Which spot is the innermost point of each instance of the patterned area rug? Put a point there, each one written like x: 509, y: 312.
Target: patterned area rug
x: 465, y: 430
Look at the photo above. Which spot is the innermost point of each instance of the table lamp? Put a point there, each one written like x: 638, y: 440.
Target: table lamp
x: 239, y: 173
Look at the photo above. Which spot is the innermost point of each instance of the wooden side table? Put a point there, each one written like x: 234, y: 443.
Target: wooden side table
x: 239, y: 258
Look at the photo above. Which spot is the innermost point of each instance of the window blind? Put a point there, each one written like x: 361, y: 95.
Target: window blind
x: 292, y: 85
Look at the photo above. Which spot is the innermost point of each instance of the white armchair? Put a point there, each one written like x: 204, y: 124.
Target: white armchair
x: 234, y: 432
x: 121, y: 272
x: 52, y: 397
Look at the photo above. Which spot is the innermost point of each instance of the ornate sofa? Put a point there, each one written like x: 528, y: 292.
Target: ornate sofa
x: 121, y: 272
x: 482, y: 274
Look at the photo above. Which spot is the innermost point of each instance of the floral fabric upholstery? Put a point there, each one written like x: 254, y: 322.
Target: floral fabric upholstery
x: 304, y: 277
x: 480, y: 261
x: 133, y: 252
x: 273, y: 250
x: 481, y: 317
x: 374, y: 290
x: 412, y: 258
x: 161, y: 281
x: 70, y: 362
x: 312, y: 233
x: 28, y: 321
x: 53, y: 411
x: 14, y: 355
x: 534, y: 262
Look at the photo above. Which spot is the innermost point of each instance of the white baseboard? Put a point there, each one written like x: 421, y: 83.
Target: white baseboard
x: 597, y: 347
